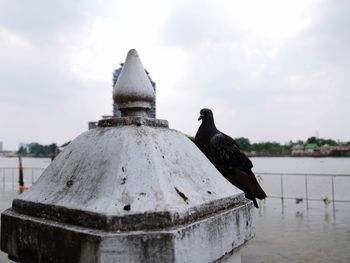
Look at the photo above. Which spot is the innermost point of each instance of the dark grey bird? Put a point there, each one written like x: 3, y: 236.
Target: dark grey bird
x: 226, y: 155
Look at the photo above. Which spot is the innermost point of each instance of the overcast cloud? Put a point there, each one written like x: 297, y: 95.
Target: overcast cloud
x: 270, y: 70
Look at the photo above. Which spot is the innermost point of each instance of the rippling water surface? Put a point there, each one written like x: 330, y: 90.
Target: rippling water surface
x: 313, y: 231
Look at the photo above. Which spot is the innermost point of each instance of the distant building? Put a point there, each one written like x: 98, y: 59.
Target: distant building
x: 310, y: 148
x: 341, y: 150
x: 24, y: 145
x: 298, y: 150
x: 1, y: 146
x: 325, y: 150
x: 116, y: 113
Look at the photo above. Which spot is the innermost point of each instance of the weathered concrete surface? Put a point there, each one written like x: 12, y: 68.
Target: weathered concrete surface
x: 206, y: 240
x: 134, y: 120
x: 129, y: 193
x: 128, y: 178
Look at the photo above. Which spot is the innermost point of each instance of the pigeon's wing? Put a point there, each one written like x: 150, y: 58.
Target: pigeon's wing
x: 227, y: 153
x: 234, y: 165
x: 246, y: 163
x: 225, y: 150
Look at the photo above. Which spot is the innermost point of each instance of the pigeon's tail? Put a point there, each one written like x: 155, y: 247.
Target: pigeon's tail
x: 256, y: 188
x: 247, y: 183
x: 250, y: 196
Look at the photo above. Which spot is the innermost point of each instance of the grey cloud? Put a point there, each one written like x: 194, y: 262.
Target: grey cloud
x: 43, y: 22
x: 33, y: 74
x: 51, y: 31
x: 192, y: 23
x: 38, y: 88
x: 325, y: 43
x: 279, y: 94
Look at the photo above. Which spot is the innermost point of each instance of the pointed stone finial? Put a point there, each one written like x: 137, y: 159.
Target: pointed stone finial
x: 133, y: 91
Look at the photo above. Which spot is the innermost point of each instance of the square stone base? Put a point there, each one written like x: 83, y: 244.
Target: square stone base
x: 28, y: 239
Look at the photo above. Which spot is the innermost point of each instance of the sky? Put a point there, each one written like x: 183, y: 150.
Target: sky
x: 270, y: 70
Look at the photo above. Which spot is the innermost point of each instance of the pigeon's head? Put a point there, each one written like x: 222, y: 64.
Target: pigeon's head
x: 205, y: 114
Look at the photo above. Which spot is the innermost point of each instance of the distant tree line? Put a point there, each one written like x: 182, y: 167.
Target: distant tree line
x: 264, y: 148
x: 321, y: 141
x: 277, y: 149
x: 259, y: 149
x: 38, y: 150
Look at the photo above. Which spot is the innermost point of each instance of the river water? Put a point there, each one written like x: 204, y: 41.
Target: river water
x: 313, y: 231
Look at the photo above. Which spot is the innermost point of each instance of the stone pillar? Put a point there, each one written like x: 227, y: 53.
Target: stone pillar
x: 131, y: 190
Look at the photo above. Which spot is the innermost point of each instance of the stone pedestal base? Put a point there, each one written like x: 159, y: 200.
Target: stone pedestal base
x: 216, y: 238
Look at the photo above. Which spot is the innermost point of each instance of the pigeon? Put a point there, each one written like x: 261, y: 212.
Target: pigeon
x: 225, y: 154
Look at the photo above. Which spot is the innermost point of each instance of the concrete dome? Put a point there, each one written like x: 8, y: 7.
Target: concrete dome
x: 109, y: 174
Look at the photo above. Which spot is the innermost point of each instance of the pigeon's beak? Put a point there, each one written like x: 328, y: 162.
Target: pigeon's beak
x: 200, y: 117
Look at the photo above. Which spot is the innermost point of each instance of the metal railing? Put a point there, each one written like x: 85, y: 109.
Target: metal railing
x: 9, y: 176
x: 306, y: 176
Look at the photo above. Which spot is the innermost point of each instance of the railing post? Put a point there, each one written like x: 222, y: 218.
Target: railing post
x: 20, y: 173
x: 32, y: 176
x: 333, y: 198
x: 13, y: 178
x: 3, y: 178
x: 306, y: 193
x: 282, y: 187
